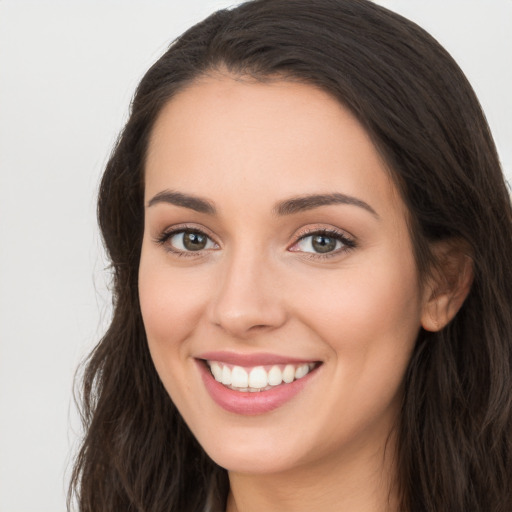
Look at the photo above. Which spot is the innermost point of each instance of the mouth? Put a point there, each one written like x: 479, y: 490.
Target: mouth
x: 253, y: 385
x: 258, y: 378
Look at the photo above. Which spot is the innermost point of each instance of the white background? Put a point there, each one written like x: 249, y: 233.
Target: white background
x: 67, y: 73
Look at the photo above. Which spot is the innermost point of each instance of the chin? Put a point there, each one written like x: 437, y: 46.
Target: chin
x: 250, y: 459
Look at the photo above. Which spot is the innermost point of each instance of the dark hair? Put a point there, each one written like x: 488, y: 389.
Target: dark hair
x: 455, y: 429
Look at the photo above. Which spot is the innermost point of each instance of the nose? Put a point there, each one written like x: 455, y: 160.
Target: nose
x: 249, y: 298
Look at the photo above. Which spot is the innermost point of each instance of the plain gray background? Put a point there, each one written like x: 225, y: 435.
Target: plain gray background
x: 67, y: 73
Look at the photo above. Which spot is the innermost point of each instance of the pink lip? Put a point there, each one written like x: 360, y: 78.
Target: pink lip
x: 247, y: 403
x: 247, y: 360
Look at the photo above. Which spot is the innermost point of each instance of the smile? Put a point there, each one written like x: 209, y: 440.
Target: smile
x: 257, y: 378
x: 254, y: 384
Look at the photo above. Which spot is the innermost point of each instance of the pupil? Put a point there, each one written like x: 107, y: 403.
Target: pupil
x: 324, y: 243
x: 194, y: 241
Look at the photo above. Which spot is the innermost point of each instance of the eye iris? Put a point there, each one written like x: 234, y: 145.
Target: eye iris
x: 194, y: 241
x: 322, y: 243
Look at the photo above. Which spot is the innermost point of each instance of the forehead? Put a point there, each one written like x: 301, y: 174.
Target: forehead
x: 227, y: 136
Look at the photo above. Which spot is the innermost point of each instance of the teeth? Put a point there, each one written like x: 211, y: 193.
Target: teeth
x: 275, y: 376
x: 239, y: 377
x: 226, y: 376
x: 257, y: 378
x: 301, y: 371
x: 289, y: 373
x: 216, y: 371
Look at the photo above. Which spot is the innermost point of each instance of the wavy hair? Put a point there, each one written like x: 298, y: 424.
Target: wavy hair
x: 455, y: 428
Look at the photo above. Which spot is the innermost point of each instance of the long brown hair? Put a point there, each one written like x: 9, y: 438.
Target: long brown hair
x: 455, y: 428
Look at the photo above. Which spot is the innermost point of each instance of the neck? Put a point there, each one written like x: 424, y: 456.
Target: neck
x: 362, y: 482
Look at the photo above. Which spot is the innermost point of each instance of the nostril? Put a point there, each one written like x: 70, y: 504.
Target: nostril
x: 243, y: 311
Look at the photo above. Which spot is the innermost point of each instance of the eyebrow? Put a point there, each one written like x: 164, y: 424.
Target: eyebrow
x: 185, y: 200
x: 303, y: 203
x: 287, y: 207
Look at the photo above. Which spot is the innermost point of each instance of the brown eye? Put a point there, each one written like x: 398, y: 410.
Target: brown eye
x: 322, y: 243
x: 194, y: 241
x: 319, y: 243
x: 190, y: 241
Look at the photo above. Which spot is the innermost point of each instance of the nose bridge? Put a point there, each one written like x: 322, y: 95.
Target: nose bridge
x: 247, y: 298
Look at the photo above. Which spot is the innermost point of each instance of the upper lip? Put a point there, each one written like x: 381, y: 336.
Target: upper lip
x: 256, y: 359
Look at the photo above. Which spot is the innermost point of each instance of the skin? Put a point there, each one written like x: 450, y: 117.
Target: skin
x: 244, y: 147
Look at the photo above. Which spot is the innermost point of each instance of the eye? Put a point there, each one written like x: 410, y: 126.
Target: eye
x: 186, y: 241
x: 323, y: 243
x: 320, y: 243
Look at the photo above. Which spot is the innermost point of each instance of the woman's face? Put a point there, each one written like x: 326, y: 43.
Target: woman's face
x: 276, y: 256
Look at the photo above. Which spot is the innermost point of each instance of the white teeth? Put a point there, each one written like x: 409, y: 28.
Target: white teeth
x: 301, y: 371
x: 275, y: 376
x: 226, y: 376
x: 239, y: 377
x: 216, y: 371
x: 257, y: 378
x: 289, y: 373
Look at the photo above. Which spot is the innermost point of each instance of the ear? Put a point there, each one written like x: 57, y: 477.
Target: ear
x: 448, y: 284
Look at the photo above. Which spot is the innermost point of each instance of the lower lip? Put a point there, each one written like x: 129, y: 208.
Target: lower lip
x: 248, y: 403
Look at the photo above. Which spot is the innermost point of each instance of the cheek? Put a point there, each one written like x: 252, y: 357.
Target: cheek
x: 368, y: 313
x: 370, y: 319
x: 171, y: 303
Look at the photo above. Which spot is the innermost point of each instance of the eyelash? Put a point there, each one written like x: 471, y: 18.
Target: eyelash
x: 347, y: 243
x: 164, y: 238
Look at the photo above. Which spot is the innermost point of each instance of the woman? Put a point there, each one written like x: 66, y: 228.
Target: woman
x: 309, y: 231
